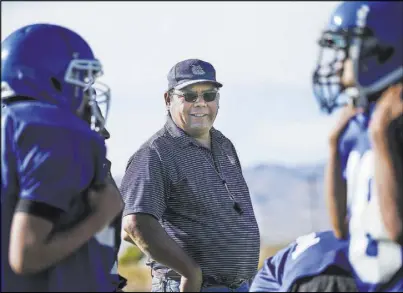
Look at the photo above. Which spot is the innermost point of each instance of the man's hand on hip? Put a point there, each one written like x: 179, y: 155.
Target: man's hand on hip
x: 193, y: 282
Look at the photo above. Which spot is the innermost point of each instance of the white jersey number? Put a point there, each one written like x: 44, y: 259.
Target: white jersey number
x: 373, y: 256
x: 303, y: 243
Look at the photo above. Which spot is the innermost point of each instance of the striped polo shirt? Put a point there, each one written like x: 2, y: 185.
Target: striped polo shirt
x: 191, y: 191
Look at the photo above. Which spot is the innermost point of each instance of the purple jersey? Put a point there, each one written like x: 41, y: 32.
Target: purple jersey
x: 49, y: 158
x: 308, y: 256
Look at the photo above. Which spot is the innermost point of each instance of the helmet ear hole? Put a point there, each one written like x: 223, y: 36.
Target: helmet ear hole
x: 56, y: 84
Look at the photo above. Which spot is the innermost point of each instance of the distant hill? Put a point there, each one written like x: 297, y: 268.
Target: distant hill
x: 286, y: 200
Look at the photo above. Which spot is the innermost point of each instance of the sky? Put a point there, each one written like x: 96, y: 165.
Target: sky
x: 264, y: 54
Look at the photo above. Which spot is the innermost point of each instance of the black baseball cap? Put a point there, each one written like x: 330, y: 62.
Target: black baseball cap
x: 191, y: 71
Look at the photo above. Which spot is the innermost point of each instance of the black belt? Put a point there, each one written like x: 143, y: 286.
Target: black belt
x: 208, y: 281
x: 212, y: 282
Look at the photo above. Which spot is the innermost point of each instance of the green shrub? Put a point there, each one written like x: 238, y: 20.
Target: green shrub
x: 131, y: 255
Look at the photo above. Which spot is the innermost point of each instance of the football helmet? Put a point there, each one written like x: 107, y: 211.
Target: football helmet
x: 53, y: 64
x: 371, y: 35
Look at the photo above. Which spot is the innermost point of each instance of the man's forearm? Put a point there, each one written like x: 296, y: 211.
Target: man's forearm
x: 336, y: 194
x: 152, y: 239
x: 389, y: 180
x: 126, y: 237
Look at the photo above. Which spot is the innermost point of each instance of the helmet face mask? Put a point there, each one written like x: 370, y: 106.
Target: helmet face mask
x: 83, y: 74
x: 327, y: 84
x: 337, y: 47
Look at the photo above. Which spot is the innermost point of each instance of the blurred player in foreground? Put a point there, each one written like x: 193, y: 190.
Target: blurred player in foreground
x: 364, y: 177
x: 312, y: 263
x: 110, y: 236
x: 54, y: 192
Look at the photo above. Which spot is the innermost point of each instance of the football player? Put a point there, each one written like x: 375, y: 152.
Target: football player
x: 54, y: 192
x: 110, y: 236
x: 364, y: 175
x: 312, y: 263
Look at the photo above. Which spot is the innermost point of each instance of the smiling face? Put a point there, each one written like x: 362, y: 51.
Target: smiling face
x: 196, y: 117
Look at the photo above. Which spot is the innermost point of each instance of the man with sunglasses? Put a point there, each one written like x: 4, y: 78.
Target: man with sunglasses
x: 187, y: 205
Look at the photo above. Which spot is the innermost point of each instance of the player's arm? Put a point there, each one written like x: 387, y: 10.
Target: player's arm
x: 47, y: 178
x: 388, y: 157
x: 335, y: 184
x: 336, y: 192
x: 32, y: 249
x: 389, y: 180
x: 145, y: 190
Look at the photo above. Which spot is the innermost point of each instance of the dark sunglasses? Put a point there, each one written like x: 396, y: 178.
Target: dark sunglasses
x: 191, y: 97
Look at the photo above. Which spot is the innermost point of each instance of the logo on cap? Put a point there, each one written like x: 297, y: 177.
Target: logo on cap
x: 197, y: 70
